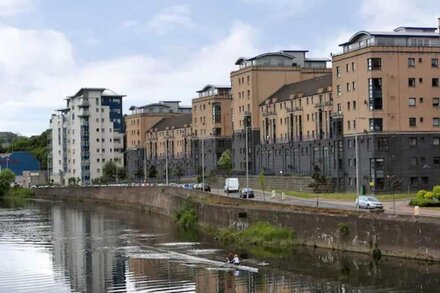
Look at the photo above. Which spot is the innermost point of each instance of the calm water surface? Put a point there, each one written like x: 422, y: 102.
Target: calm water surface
x: 58, y: 247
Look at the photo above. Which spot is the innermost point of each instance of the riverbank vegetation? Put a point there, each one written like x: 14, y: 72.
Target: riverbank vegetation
x: 186, y: 217
x: 262, y: 239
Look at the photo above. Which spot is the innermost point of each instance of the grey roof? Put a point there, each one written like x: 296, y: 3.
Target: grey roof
x: 398, y: 32
x: 104, y: 92
x: 213, y: 86
x: 307, y: 87
x: 178, y: 121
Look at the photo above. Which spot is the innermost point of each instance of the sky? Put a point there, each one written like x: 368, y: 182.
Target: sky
x: 164, y: 50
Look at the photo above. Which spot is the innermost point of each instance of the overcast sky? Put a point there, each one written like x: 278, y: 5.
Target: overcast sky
x: 157, y: 50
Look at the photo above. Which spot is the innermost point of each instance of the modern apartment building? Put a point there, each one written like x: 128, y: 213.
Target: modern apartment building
x: 168, y: 147
x: 85, y: 135
x: 298, y: 131
x: 211, y: 126
x: 255, y: 80
x: 386, y: 92
x: 138, y: 123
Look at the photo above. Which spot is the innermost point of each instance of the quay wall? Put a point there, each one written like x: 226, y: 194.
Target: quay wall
x: 393, y: 235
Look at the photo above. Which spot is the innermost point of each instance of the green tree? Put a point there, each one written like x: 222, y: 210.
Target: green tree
x: 261, y: 181
x: 224, y: 164
x: 319, y: 180
x: 179, y: 172
x: 6, y: 178
x: 152, y: 172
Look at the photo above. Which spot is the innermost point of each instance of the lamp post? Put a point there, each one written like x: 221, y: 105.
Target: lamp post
x: 166, y: 161
x: 145, y: 162
x: 203, y: 162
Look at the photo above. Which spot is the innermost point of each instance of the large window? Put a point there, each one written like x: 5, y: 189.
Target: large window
x: 412, y: 102
x: 382, y: 143
x: 434, y: 62
x: 412, y: 122
x: 374, y: 64
x: 375, y: 93
x: 411, y: 62
x: 411, y: 82
x: 216, y: 113
x: 436, y: 102
x: 376, y: 124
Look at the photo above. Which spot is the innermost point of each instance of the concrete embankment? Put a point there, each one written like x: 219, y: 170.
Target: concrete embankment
x: 394, y: 235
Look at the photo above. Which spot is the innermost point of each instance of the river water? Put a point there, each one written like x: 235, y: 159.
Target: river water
x: 50, y: 246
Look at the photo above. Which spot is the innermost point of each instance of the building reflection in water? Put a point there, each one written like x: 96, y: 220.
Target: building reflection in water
x: 84, y: 247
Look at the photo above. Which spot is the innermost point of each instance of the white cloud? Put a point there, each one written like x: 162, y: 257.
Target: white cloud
x: 14, y: 7
x: 282, y: 8
x: 37, y: 70
x: 171, y: 17
x: 387, y: 15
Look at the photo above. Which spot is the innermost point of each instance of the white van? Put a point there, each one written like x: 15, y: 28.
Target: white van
x: 232, y: 185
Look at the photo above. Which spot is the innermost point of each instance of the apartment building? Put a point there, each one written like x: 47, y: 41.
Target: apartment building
x: 255, y: 80
x: 85, y: 135
x: 386, y: 92
x: 137, y: 123
x: 211, y: 126
x: 298, y: 131
x: 168, y: 147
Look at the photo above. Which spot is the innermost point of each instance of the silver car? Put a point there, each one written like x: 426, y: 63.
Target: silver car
x: 368, y: 202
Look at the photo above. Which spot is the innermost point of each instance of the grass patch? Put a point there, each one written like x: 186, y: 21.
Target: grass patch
x: 261, y: 239
x: 19, y: 192
x: 343, y: 196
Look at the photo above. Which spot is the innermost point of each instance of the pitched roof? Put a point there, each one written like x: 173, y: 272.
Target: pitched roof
x: 305, y: 88
x: 178, y: 121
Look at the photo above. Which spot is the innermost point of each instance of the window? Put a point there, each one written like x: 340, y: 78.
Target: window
x: 436, y: 140
x: 435, y: 82
x: 353, y: 85
x: 354, y: 105
x: 348, y: 106
x: 375, y: 93
x: 348, y: 86
x: 347, y: 67
x: 411, y: 62
x: 412, y: 122
x: 411, y: 82
x: 425, y: 180
x: 353, y: 66
x: 413, y: 161
x: 338, y: 90
x: 382, y: 143
x: 436, y: 161
x: 414, y: 180
x: 436, y: 121
x: 420, y: 100
x: 374, y: 64
x: 434, y: 63
x: 338, y: 71
x: 435, y: 102
x: 413, y: 141
x: 349, y: 124
x: 412, y: 102
x: 376, y: 124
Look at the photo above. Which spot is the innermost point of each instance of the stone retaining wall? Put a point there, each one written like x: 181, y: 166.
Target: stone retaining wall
x: 395, y: 235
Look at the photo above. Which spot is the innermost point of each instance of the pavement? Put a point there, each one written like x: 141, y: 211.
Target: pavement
x: 399, y: 207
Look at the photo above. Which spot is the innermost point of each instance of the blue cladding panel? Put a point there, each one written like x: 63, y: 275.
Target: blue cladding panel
x: 115, y: 105
x: 19, y: 162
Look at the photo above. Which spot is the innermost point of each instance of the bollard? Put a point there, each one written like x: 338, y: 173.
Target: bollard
x: 416, y: 210
x: 283, y: 195
x: 273, y: 194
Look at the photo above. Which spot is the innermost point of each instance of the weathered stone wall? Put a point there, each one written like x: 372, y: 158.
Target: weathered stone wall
x: 395, y: 235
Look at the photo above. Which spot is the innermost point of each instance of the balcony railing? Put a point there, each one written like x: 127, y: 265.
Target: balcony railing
x: 323, y: 104
x: 269, y: 113
x: 83, y: 103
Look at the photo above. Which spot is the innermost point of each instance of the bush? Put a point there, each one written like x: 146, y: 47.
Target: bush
x: 425, y: 202
x: 428, y: 195
x: 20, y: 192
x: 344, y: 229
x: 186, y: 216
x: 436, y: 191
x: 421, y: 194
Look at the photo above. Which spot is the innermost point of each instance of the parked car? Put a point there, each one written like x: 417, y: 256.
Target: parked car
x: 231, y: 185
x: 205, y: 187
x: 368, y: 202
x: 246, y: 193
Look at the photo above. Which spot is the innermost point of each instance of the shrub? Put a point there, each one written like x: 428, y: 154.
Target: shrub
x: 421, y: 194
x: 428, y: 195
x: 186, y: 216
x: 344, y: 229
x: 424, y: 202
x: 436, y: 191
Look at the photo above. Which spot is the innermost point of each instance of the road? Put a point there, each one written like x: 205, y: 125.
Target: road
x: 401, y: 206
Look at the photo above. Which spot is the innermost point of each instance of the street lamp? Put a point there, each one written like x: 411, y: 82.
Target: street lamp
x: 166, y: 160
x: 203, y: 162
